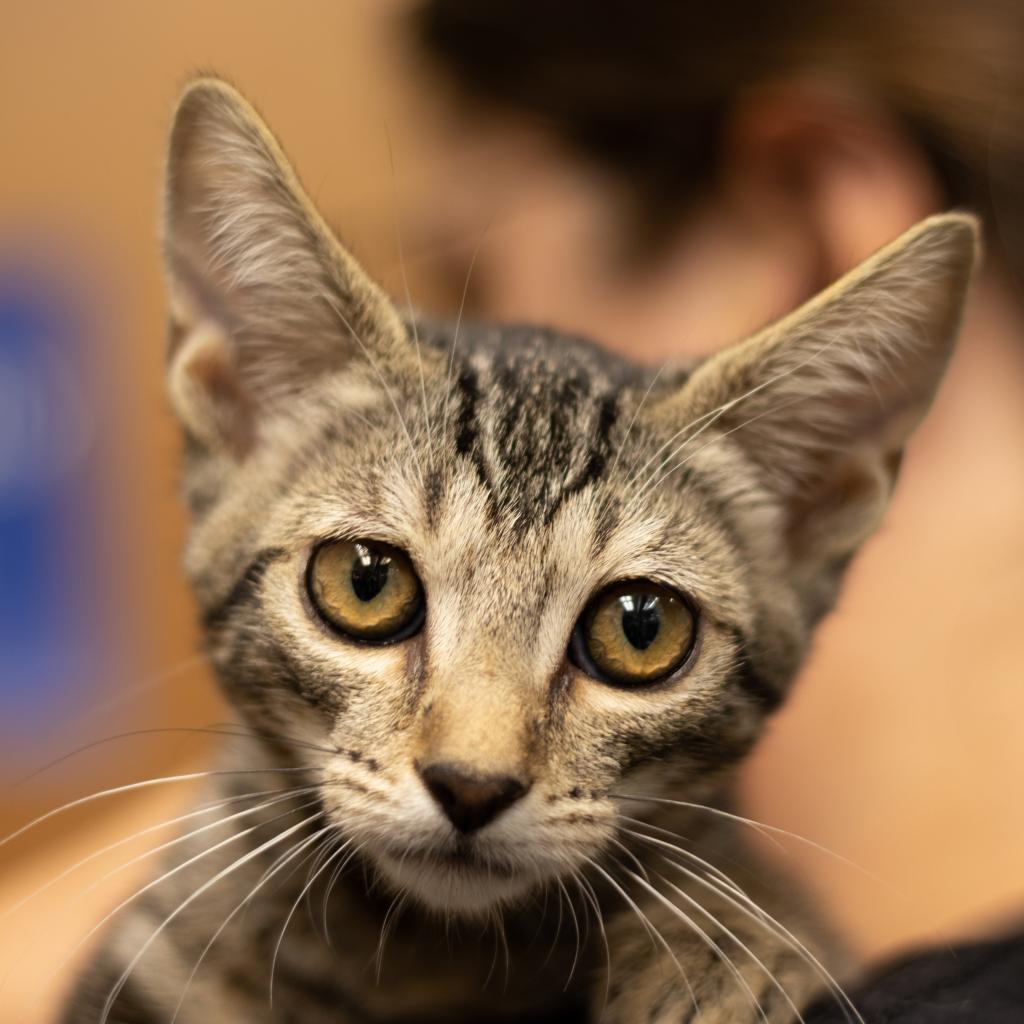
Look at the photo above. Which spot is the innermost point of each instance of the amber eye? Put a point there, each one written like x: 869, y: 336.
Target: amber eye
x: 366, y: 589
x: 634, y: 634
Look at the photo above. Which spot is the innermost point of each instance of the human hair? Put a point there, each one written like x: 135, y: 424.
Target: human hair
x: 645, y: 88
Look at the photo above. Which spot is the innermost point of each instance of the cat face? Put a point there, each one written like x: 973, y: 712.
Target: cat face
x: 493, y: 586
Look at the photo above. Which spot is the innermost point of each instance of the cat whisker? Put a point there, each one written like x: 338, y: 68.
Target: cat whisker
x: 189, y: 900
x: 547, y: 889
x: 318, y: 858
x: 564, y: 893
x: 812, y: 357
x: 160, y: 826
x: 715, y: 414
x: 311, y: 881
x: 712, y: 414
x: 383, y: 382
x: 590, y: 899
x: 408, y: 293
x: 279, y: 864
x: 708, y: 941
x: 632, y: 856
x: 499, y: 928
x: 678, y: 836
x: 136, y: 786
x: 212, y: 730
x: 586, y: 920
x: 742, y: 902
x: 776, y: 983
x: 768, y: 831
x: 385, y: 929
x: 152, y: 884
x: 494, y: 960
x: 458, y: 320
x: 128, y: 692
x: 325, y: 853
x: 331, y: 882
x: 633, y: 419
x: 171, y: 873
x: 494, y: 919
x: 655, y: 935
x: 545, y: 893
x: 655, y: 483
x: 719, y: 884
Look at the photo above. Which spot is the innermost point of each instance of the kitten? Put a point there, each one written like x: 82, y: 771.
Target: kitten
x: 500, y: 614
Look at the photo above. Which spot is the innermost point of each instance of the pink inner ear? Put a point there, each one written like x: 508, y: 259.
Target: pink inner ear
x: 839, y: 509
x: 849, y: 464
x: 219, y: 379
x: 207, y: 392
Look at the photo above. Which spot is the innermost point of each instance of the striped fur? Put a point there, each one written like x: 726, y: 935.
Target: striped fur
x: 522, y: 470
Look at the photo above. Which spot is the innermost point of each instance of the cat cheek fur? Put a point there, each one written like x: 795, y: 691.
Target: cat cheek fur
x: 522, y: 471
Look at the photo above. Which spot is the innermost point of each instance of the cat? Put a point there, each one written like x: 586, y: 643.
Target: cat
x: 500, y: 613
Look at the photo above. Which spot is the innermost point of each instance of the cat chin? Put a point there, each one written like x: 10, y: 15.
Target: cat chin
x: 468, y: 891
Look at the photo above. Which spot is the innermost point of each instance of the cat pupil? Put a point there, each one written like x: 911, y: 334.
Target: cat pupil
x: 641, y: 619
x: 369, y: 573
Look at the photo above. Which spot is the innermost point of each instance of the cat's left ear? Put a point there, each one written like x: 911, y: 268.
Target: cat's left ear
x: 821, y: 404
x: 263, y: 297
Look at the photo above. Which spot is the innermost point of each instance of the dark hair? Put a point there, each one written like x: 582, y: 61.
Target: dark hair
x: 645, y: 87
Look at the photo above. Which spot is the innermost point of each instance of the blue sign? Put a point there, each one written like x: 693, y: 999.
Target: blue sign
x: 50, y: 644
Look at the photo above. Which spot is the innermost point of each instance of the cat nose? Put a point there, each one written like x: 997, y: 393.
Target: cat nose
x: 468, y: 799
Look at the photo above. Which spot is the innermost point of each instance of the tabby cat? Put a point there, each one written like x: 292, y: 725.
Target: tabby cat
x: 500, y: 614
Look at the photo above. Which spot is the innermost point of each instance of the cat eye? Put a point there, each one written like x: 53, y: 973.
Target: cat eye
x: 635, y: 633
x: 367, y: 590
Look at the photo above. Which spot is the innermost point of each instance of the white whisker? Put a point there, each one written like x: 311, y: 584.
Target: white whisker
x: 212, y: 730
x: 133, y: 787
x: 458, y: 320
x: 758, y: 826
x: 408, y: 293
x: 714, y: 415
x: 162, y: 878
x: 633, y: 419
x: 746, y: 949
x: 385, y: 929
x: 331, y: 882
x: 188, y: 901
x: 562, y: 891
x: 279, y: 864
x: 291, y: 913
x: 384, y: 384
x: 655, y: 935
x: 709, y: 941
x: 199, y: 812
x: 733, y: 893
x: 590, y: 897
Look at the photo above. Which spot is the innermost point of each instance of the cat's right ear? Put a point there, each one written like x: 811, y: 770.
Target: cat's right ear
x: 821, y: 404
x: 263, y: 297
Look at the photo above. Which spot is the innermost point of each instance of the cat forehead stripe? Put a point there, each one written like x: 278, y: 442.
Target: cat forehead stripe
x: 535, y: 433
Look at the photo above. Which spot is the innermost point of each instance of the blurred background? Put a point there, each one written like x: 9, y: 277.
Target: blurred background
x: 663, y: 176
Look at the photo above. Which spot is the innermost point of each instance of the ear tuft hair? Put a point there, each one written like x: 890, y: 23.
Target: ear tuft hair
x: 823, y: 402
x: 263, y: 298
